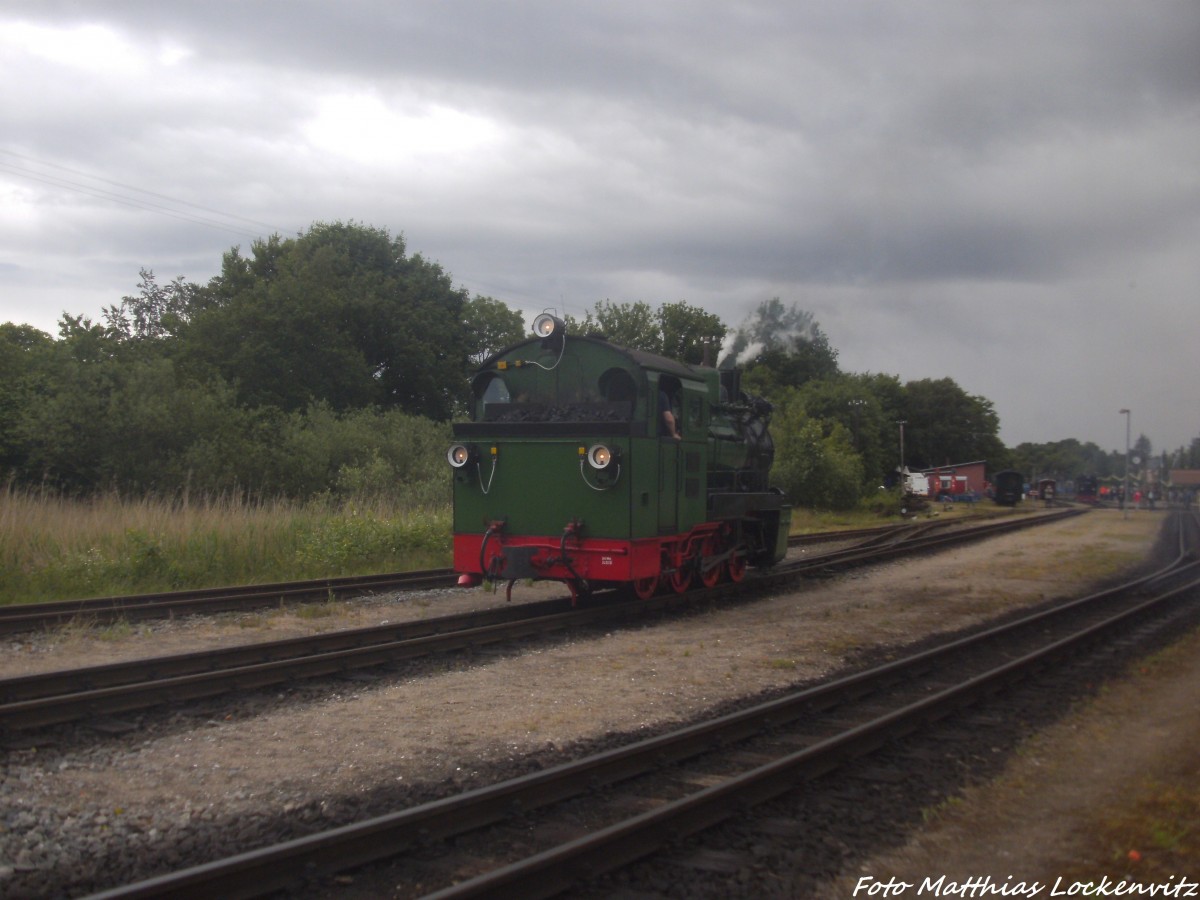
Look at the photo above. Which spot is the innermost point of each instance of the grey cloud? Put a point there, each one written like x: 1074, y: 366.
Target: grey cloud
x: 890, y: 166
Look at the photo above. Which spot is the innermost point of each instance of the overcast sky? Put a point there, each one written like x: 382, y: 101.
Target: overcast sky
x: 1005, y: 194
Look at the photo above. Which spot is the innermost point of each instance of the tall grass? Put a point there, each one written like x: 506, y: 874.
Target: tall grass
x: 882, y: 508
x: 53, y: 547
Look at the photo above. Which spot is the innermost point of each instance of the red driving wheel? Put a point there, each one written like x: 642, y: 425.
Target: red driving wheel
x: 644, y: 588
x: 737, y: 567
x: 681, y: 578
x: 709, y: 575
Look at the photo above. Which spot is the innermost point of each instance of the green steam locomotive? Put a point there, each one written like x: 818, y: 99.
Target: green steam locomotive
x: 599, y: 466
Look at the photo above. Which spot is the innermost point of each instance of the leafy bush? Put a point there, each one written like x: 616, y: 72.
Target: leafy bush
x: 353, y: 541
x: 360, y: 453
x: 813, y: 468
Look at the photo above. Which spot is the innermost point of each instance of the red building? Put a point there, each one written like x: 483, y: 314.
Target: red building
x: 957, y: 479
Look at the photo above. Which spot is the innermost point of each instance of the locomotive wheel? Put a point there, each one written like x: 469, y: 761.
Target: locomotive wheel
x: 681, y: 579
x: 737, y: 567
x: 710, y: 576
x: 644, y: 588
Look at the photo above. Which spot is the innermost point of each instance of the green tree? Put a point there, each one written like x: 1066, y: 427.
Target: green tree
x: 625, y: 324
x: 815, y: 465
x: 130, y: 424
x: 320, y: 450
x: 64, y: 432
x: 1143, y: 449
x: 25, y: 356
x: 340, y: 315
x: 689, y: 334
x: 851, y: 403
x: 1062, y: 460
x: 490, y: 326
x: 889, y: 394
x: 1188, y: 457
x: 155, y: 312
x: 945, y: 424
x: 675, y: 330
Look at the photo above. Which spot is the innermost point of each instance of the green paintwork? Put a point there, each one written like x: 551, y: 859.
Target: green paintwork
x: 537, y: 485
x: 540, y: 406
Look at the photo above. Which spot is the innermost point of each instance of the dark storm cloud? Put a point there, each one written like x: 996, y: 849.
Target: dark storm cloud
x: 903, y: 170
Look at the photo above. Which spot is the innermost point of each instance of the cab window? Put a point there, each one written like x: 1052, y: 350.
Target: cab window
x: 489, y: 389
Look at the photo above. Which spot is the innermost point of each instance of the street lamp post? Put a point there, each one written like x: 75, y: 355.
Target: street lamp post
x: 1125, y: 502
x: 902, y: 423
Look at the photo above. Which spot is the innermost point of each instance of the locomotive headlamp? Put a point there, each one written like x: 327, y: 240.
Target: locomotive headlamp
x: 547, y: 326
x: 600, y: 456
x: 458, y: 456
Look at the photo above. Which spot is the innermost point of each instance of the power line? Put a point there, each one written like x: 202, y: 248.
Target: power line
x: 175, y: 208
x: 124, y: 201
x: 135, y: 202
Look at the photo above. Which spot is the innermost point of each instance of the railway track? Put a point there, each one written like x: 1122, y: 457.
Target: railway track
x: 140, y: 607
x: 15, y: 619
x: 71, y: 695
x: 613, y: 808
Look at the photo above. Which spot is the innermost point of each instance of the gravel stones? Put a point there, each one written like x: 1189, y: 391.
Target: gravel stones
x: 81, y: 809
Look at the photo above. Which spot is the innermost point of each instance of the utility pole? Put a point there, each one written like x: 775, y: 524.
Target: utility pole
x: 1125, y: 504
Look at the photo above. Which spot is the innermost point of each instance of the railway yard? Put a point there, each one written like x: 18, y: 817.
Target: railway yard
x: 91, y: 804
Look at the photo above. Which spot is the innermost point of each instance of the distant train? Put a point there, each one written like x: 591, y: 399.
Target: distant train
x: 1087, y: 489
x: 1008, y: 487
x: 1047, y: 489
x: 593, y: 464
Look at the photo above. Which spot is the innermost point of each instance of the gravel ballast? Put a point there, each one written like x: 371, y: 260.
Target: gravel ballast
x: 82, y: 809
